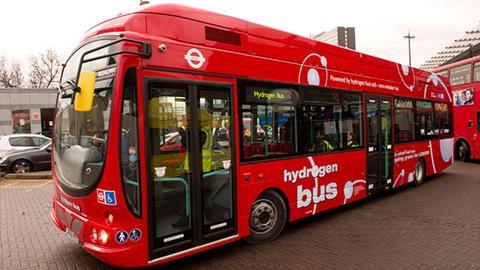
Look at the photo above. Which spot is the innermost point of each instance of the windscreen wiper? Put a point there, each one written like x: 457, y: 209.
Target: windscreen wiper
x: 62, y: 88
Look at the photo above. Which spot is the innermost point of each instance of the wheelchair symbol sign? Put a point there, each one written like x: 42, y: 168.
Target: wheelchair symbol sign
x: 106, y: 197
x: 135, y: 235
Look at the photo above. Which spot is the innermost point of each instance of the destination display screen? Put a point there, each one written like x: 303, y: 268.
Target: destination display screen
x: 270, y: 95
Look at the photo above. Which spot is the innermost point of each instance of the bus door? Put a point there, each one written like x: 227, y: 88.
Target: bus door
x: 379, y: 142
x: 191, y: 184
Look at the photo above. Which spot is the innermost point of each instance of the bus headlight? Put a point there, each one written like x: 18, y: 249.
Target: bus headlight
x: 103, y: 237
x: 93, y: 235
x: 109, y: 217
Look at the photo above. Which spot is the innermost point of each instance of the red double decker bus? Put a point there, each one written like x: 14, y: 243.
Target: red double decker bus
x: 464, y: 78
x: 178, y: 130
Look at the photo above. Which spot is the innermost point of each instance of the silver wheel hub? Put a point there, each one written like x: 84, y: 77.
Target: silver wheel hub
x: 263, y: 217
x: 22, y: 167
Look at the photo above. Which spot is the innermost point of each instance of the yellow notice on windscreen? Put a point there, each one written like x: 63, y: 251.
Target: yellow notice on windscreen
x: 84, y: 98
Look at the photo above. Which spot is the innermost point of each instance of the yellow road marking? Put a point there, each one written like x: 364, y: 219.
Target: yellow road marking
x: 31, y: 180
x: 21, y: 184
x: 8, y: 185
x: 46, y: 183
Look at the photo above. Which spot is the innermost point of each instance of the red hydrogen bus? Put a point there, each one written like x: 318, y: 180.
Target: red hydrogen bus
x: 178, y: 130
x: 464, y: 78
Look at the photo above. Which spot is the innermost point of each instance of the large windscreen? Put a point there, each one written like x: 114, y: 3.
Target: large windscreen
x: 81, y: 137
x: 71, y: 67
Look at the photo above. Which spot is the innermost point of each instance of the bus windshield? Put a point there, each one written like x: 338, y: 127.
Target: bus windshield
x: 81, y: 137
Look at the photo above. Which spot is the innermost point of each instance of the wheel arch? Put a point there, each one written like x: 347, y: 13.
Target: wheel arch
x: 458, y: 141
x: 461, y: 139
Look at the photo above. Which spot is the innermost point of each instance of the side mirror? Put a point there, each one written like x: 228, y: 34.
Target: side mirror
x: 48, y: 149
x: 84, y: 98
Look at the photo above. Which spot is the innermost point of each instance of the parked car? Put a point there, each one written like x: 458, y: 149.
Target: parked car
x: 16, y: 142
x: 45, y: 133
x: 172, y: 142
x: 27, y: 160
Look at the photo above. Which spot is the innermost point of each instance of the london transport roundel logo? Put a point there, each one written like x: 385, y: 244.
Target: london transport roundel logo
x: 195, y: 58
x: 100, y: 197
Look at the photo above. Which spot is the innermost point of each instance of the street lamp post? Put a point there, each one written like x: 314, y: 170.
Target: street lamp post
x: 409, y: 49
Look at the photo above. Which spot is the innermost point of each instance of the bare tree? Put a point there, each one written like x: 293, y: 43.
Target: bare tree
x: 10, y: 76
x: 3, y: 72
x: 44, y: 69
x: 16, y: 75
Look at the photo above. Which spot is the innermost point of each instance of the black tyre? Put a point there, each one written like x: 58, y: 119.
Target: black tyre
x: 463, y: 151
x: 420, y: 172
x: 22, y: 166
x: 267, y: 217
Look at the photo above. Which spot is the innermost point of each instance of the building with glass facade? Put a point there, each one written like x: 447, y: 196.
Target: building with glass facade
x: 27, y: 110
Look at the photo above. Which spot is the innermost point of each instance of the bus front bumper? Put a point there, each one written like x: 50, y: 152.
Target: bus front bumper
x: 121, y: 255
x: 56, y: 221
x: 125, y: 257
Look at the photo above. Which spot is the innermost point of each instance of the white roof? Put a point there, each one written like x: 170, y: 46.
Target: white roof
x: 23, y: 135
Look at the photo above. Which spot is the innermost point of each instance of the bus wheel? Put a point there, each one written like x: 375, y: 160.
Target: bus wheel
x: 420, y: 172
x: 463, y: 151
x: 267, y: 217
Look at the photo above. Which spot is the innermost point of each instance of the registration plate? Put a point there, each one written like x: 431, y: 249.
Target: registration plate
x: 71, y: 235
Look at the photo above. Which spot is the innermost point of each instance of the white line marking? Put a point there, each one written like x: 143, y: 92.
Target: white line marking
x: 431, y: 156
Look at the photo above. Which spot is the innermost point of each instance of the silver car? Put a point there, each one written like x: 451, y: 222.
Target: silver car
x: 16, y: 142
x: 22, y: 161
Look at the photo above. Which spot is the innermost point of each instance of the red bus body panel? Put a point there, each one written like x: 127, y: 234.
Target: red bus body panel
x: 466, y: 117
x: 310, y: 184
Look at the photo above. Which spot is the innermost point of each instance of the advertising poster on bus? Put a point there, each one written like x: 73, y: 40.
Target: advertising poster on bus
x: 464, y: 97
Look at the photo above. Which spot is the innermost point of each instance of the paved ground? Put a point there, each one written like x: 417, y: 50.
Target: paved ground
x: 435, y: 226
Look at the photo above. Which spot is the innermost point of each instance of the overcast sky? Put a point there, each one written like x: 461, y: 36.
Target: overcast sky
x: 28, y: 26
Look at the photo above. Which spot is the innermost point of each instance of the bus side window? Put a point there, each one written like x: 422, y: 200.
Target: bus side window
x: 329, y: 121
x: 351, y: 122
x: 424, y: 120
x: 460, y: 75
x: 286, y: 120
x: 404, y: 120
x: 268, y: 120
x: 268, y: 130
x: 129, y: 143
x: 319, y: 129
x: 442, y: 119
x: 476, y: 72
